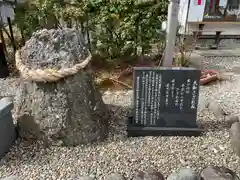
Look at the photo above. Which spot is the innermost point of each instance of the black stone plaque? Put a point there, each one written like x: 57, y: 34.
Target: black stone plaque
x: 165, y: 101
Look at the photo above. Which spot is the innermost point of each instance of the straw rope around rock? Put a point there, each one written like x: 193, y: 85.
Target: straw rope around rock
x: 48, y: 75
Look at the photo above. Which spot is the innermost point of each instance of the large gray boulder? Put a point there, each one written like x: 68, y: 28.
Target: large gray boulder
x: 114, y: 176
x: 149, y: 174
x: 184, y: 174
x: 69, y: 111
x: 218, y: 173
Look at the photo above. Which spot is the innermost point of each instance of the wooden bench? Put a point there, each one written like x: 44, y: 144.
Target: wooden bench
x: 215, y: 22
x: 198, y: 34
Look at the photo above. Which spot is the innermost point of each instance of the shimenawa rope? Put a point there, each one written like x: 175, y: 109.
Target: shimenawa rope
x: 48, y: 75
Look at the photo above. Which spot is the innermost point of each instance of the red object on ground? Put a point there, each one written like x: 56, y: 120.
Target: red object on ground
x: 208, y: 76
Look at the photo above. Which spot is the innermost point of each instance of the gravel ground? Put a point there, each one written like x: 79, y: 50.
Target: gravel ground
x: 128, y: 155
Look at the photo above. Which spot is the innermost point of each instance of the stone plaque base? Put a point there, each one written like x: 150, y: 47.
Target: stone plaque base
x: 137, y: 131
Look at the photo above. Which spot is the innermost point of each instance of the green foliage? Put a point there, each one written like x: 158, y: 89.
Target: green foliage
x: 113, y: 28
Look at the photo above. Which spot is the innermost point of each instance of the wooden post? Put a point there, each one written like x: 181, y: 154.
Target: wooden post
x: 217, y: 40
x: 2, y: 39
x: 172, y: 24
x: 4, y: 72
x: 11, y: 33
x: 22, y: 37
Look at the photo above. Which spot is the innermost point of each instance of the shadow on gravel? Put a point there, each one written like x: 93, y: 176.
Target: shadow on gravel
x: 214, y: 125
x: 118, y: 121
x: 119, y: 116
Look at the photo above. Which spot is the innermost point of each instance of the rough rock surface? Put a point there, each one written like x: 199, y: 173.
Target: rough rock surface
x: 83, y: 178
x: 184, y: 174
x: 231, y: 120
x: 218, y: 173
x: 67, y: 112
x: 150, y: 174
x: 114, y: 176
x: 61, y: 48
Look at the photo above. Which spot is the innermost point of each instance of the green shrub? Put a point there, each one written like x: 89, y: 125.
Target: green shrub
x: 113, y: 28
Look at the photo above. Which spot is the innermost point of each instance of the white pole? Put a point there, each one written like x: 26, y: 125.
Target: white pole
x: 172, y: 24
